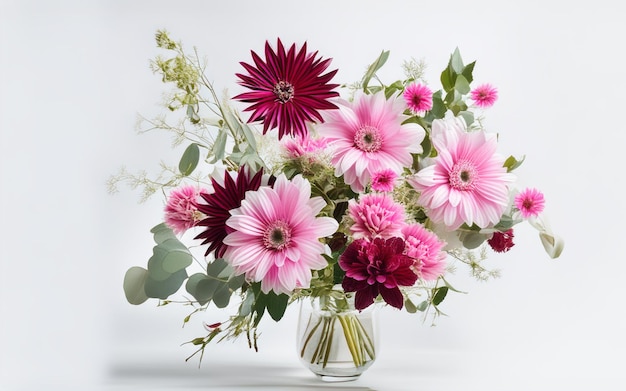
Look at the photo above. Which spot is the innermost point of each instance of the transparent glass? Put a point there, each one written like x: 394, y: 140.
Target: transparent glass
x: 336, y: 341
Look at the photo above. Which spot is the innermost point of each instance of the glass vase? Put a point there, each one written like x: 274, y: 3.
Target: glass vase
x: 336, y: 341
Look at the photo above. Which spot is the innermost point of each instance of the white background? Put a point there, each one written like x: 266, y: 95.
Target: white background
x: 74, y: 75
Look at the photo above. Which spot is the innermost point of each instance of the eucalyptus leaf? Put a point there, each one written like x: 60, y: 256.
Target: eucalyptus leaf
x: 472, y: 240
x: 246, y: 305
x: 409, y: 306
x: 467, y: 71
x: 162, y: 232
x: 192, y: 288
x: 511, y: 163
x: 219, y: 146
x: 189, y: 160
x: 134, y: 281
x: 176, y: 260
x: 155, y: 264
x: 163, y: 289
x: 221, y: 296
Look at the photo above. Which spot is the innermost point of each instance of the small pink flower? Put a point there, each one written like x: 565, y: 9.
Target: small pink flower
x: 181, y: 210
x: 303, y: 145
x: 530, y: 202
x: 484, y: 95
x: 376, y: 215
x: 419, y: 98
x: 383, y: 180
x: 427, y: 249
x: 501, y: 242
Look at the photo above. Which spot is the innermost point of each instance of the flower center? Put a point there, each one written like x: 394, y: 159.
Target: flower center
x: 368, y: 139
x: 463, y: 175
x: 283, y: 91
x: 277, y: 236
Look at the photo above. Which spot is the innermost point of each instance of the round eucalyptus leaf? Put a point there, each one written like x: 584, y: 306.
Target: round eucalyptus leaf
x: 134, y: 281
x: 162, y: 289
x: 156, y: 268
x: 176, y: 260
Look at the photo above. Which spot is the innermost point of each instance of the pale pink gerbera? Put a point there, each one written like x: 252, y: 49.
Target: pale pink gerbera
x: 484, y: 95
x: 376, y: 215
x: 419, y: 98
x: 383, y: 180
x: 427, y: 249
x: 276, y: 235
x: 181, y: 210
x: 368, y: 136
x: 530, y: 202
x: 467, y: 182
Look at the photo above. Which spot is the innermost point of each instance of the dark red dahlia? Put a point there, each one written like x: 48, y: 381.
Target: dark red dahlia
x: 502, y: 242
x: 377, y: 267
x: 288, y: 89
x: 218, y: 206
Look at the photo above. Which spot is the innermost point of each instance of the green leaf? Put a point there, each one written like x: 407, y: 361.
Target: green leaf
x: 219, y: 147
x: 162, y: 232
x: 456, y: 63
x: 468, y: 116
x: 202, y: 294
x: 410, y: 307
x: 162, y: 289
x: 447, y: 79
x: 467, y: 72
x: 472, y: 240
x: 215, y: 268
x: 189, y: 160
x: 462, y: 85
x: 440, y: 294
x: 422, y: 306
x: 375, y: 66
x: 511, y: 163
x: 134, y: 281
x: 221, y: 296
x: 276, y: 305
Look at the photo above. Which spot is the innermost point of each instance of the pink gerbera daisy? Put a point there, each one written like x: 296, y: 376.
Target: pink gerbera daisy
x: 530, y: 202
x: 217, y: 206
x: 376, y: 215
x: 427, y: 249
x: 377, y: 267
x: 368, y: 136
x: 383, y: 180
x: 418, y: 98
x: 275, y: 235
x: 484, y: 95
x: 181, y: 210
x: 467, y: 182
x: 288, y: 89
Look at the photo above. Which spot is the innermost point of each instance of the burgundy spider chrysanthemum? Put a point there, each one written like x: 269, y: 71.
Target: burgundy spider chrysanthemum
x: 288, y: 89
x: 218, y: 205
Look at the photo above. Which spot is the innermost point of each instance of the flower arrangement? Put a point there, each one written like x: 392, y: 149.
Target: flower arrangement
x: 355, y: 198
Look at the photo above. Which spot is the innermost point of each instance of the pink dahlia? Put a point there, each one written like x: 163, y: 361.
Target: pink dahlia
x: 530, y: 202
x: 181, y: 210
x: 376, y: 215
x: 368, y: 136
x: 217, y: 206
x: 275, y: 235
x: 418, y: 98
x: 288, y: 89
x: 484, y: 95
x: 501, y: 242
x: 377, y: 267
x: 384, y: 180
x: 426, y: 249
x: 467, y: 182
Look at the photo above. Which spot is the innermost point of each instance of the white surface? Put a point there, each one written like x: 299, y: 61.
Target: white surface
x: 73, y: 75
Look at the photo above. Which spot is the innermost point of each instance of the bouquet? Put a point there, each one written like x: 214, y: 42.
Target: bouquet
x: 300, y: 188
